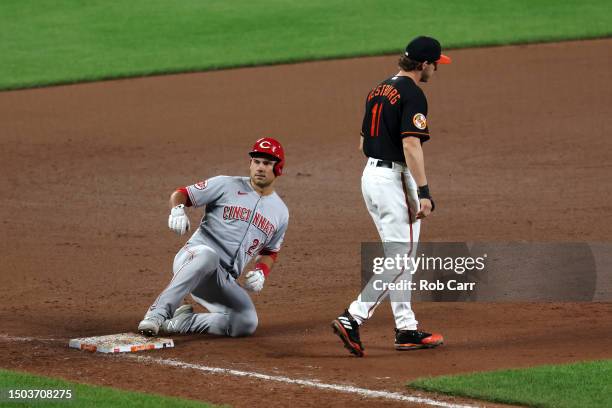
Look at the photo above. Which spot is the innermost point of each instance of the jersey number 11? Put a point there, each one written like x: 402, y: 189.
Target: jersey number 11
x: 376, y: 113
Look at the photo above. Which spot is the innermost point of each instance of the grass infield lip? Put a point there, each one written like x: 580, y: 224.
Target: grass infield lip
x: 288, y: 61
x: 83, y: 395
x: 583, y: 384
x: 60, y: 42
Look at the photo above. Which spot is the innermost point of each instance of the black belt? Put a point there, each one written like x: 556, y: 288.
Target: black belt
x: 384, y: 163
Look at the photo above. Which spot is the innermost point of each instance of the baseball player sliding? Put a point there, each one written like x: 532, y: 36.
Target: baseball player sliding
x: 244, y: 219
x: 395, y: 188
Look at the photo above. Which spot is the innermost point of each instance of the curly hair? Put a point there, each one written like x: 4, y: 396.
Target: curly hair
x: 408, y: 65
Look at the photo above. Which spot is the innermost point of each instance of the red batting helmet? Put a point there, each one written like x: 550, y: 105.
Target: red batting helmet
x: 268, y: 147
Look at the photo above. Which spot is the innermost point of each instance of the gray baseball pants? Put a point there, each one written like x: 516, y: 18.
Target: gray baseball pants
x: 197, y: 272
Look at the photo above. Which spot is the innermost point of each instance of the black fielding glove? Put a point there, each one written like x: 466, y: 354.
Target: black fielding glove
x: 424, y: 193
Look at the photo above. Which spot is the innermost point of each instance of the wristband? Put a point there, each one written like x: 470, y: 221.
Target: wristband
x: 424, y: 192
x: 264, y: 268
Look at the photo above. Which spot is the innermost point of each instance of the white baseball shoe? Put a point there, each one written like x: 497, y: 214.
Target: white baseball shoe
x: 181, y: 315
x: 149, y: 326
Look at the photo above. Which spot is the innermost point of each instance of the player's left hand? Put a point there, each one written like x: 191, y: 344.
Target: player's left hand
x: 254, y: 280
x: 427, y: 207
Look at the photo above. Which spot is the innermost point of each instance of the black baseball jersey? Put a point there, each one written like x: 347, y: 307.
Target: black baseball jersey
x: 395, y: 109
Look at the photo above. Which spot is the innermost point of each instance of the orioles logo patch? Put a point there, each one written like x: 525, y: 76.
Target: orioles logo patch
x: 420, y: 121
x: 201, y: 185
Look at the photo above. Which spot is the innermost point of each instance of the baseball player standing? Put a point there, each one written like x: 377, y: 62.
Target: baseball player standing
x: 394, y: 185
x: 244, y: 218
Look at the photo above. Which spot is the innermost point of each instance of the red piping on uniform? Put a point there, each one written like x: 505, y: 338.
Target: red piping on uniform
x: 188, y: 261
x: 405, y: 188
x: 383, y: 294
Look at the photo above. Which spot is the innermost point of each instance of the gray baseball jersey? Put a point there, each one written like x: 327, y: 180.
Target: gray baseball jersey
x: 238, y: 223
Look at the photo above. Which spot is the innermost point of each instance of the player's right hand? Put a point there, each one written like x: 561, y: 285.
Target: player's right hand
x: 254, y: 280
x: 178, y: 220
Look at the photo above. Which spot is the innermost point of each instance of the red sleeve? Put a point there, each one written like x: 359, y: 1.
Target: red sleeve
x: 264, y: 268
x: 183, y: 191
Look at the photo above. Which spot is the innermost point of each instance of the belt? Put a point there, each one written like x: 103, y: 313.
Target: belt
x: 385, y: 163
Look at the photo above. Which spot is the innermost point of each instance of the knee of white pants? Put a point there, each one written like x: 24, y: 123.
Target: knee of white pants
x: 402, y: 232
x: 243, y: 324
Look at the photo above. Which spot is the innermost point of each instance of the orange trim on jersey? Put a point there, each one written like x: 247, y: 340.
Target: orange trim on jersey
x: 373, y: 129
x: 379, y: 113
x: 415, y: 133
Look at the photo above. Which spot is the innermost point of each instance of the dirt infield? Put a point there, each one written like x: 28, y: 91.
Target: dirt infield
x: 520, y: 150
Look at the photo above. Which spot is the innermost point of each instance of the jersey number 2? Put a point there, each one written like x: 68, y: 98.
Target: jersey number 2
x: 252, y: 249
x: 376, y: 113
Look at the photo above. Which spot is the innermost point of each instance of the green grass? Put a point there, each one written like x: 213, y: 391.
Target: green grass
x: 45, y: 42
x: 587, y: 384
x: 83, y: 395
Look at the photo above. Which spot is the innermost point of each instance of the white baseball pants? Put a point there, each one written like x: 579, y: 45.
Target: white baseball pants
x: 391, y: 197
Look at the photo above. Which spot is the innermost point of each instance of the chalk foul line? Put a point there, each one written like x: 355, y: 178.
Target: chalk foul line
x: 347, y: 389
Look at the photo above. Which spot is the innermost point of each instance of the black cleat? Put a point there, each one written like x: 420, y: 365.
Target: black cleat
x: 347, y: 329
x: 414, y: 339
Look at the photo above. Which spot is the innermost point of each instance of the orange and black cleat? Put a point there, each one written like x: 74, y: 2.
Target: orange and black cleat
x: 347, y: 329
x: 414, y: 339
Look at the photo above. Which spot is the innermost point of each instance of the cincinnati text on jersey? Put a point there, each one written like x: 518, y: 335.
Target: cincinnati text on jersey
x: 387, y: 91
x: 235, y: 212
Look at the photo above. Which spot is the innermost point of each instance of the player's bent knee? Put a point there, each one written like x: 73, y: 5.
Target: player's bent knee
x: 243, y: 324
x: 206, y: 258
